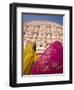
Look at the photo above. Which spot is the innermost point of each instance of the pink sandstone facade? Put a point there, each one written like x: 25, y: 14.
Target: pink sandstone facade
x: 43, y: 33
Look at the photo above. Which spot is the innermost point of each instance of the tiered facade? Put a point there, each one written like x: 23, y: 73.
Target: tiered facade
x: 42, y: 33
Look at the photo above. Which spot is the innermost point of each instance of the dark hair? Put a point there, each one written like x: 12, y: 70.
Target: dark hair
x: 34, y: 46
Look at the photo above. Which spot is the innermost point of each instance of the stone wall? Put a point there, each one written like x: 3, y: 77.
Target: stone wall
x: 43, y: 33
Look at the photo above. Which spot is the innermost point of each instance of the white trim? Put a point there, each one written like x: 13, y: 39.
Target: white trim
x: 42, y: 78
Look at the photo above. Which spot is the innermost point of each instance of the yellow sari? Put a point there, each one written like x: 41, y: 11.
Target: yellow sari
x: 30, y: 58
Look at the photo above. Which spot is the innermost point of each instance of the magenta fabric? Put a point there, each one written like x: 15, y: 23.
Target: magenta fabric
x: 51, y: 61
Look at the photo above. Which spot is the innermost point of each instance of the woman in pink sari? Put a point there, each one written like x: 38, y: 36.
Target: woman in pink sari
x: 51, y: 61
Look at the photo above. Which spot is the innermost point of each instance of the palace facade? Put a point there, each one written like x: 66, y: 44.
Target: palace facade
x: 43, y: 33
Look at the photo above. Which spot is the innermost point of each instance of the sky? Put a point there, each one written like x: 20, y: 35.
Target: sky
x: 53, y: 18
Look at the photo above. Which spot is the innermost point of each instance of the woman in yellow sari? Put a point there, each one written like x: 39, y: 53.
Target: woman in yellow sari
x: 30, y: 58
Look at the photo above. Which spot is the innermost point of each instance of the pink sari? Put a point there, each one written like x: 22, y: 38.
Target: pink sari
x: 51, y: 61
